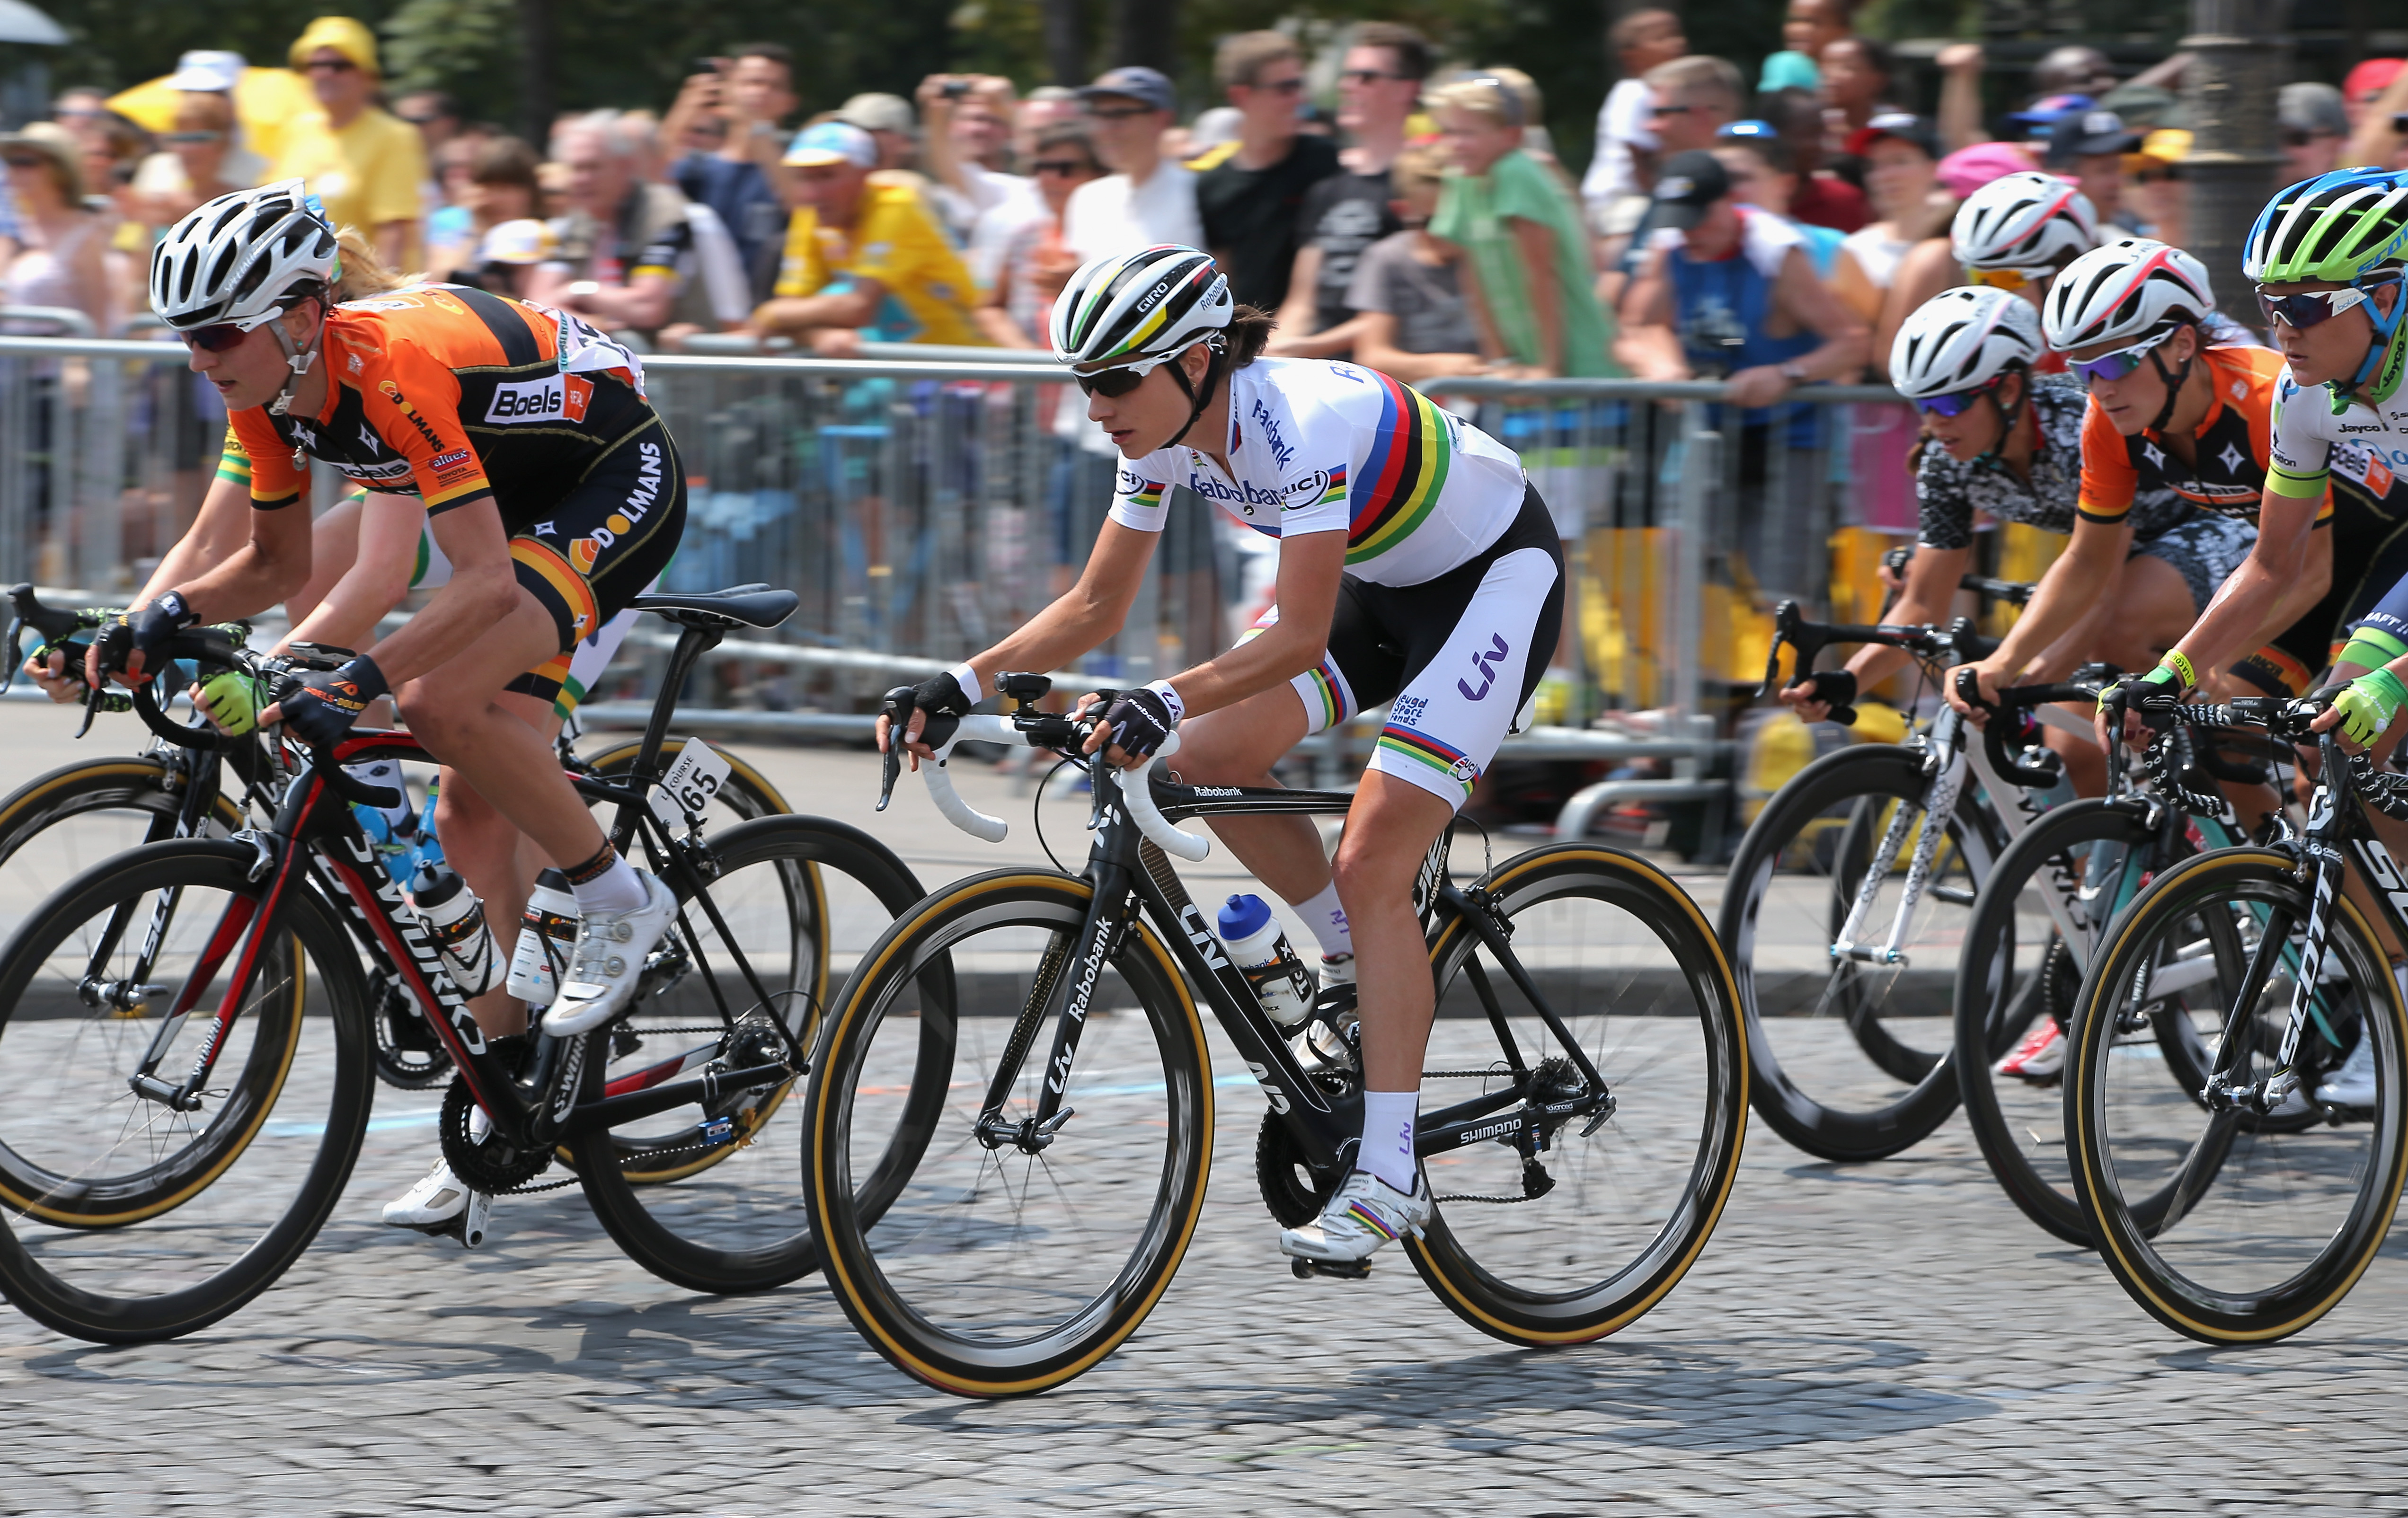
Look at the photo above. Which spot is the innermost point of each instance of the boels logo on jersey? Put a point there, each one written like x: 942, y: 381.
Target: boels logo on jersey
x: 551, y: 398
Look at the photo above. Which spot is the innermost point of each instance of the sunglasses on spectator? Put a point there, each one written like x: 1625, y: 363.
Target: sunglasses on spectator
x: 23, y: 160
x: 2007, y: 278
x: 2115, y: 366
x: 1120, y: 113
x: 1669, y: 111
x: 1115, y: 382
x: 1289, y: 86
x: 1064, y: 167
x: 333, y: 65
x: 1370, y: 76
x: 2312, y: 308
x: 189, y: 139
x: 1957, y: 403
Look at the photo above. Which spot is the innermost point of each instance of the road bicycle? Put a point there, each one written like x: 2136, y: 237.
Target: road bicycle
x: 2232, y: 1207
x: 1061, y: 1147
x: 185, y: 1055
x: 97, y: 808
x: 2037, y: 920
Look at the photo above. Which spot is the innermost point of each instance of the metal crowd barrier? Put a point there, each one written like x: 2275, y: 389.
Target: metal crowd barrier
x: 924, y: 501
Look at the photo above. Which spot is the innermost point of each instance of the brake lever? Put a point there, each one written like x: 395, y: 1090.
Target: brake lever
x: 896, y: 710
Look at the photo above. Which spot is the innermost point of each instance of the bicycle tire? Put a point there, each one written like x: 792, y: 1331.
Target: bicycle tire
x: 1020, y: 1357
x: 1992, y: 1015
x: 128, y: 782
x: 244, y: 1107
x: 2140, y: 1252
x: 1524, y: 1314
x: 1865, y: 1128
x: 680, y: 1239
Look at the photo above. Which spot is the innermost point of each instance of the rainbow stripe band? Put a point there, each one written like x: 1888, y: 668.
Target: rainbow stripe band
x: 1452, y: 762
x: 1364, y: 1216
x: 1326, y: 700
x: 1411, y: 453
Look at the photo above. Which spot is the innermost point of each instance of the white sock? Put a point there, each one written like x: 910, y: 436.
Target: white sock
x: 1327, y: 921
x: 615, y: 890
x: 1387, y: 1147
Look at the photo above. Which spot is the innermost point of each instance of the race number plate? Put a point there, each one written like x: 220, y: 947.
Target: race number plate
x: 684, y: 792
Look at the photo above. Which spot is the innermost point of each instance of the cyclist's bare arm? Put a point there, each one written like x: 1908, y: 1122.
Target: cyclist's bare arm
x: 384, y: 556
x: 1077, y: 621
x: 1929, y: 593
x: 484, y: 589
x: 2069, y: 591
x: 272, y: 562
x: 217, y: 534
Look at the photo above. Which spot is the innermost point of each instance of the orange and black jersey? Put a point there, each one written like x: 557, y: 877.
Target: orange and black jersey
x: 2229, y: 447
x: 458, y: 395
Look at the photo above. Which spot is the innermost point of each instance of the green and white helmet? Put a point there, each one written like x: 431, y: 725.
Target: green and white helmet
x: 1126, y: 308
x: 2348, y: 227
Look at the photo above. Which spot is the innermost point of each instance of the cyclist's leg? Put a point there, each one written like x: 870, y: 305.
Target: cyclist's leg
x: 497, y: 860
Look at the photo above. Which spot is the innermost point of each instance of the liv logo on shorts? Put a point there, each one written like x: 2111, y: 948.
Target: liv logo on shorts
x: 1485, y: 662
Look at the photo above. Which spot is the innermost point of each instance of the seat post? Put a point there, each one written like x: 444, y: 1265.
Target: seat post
x: 692, y: 644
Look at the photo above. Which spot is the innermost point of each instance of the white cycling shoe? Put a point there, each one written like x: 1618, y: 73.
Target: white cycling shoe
x: 2353, y: 1084
x: 1365, y: 1213
x: 441, y: 1203
x: 607, y: 960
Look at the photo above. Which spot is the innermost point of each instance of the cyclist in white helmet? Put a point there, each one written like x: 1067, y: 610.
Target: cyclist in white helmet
x: 551, y: 532
x: 1416, y: 562
x: 2018, y: 231
x: 2002, y: 441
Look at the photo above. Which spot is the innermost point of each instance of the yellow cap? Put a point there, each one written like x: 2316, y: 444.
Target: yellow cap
x: 342, y: 34
x: 2167, y: 145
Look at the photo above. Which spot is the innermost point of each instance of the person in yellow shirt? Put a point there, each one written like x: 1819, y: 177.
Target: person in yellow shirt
x: 364, y: 164
x: 864, y: 258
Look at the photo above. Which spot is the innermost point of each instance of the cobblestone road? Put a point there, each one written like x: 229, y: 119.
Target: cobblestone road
x: 1890, y: 1338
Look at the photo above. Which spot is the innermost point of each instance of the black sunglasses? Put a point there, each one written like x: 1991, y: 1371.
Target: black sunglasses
x: 1370, y: 76
x: 1114, y: 383
x: 1063, y: 166
x: 215, y: 339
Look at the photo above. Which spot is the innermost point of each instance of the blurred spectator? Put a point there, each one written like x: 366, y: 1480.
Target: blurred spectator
x: 968, y: 118
x: 2359, y: 90
x: 1411, y: 321
x: 2315, y: 127
x: 2088, y: 147
x: 1615, y: 186
x: 2159, y: 194
x: 1822, y: 197
x: 1810, y: 26
x: 1764, y: 175
x: 435, y: 115
x: 1034, y: 263
x: 2376, y: 136
x: 58, y: 262
x: 1379, y: 88
x: 864, y: 259
x: 199, y: 162
x: 1215, y: 128
x: 365, y: 164
x: 1144, y: 200
x: 450, y: 243
x: 1044, y: 106
x: 499, y: 188
x: 1690, y: 100
x: 1522, y: 258
x: 2075, y: 69
x: 748, y: 95
x: 1727, y: 292
x: 1315, y: 120
x: 1901, y: 182
x: 1857, y: 78
x: 635, y: 253
x: 1250, y: 194
x: 1960, y: 116
x: 889, y: 122
x: 509, y: 254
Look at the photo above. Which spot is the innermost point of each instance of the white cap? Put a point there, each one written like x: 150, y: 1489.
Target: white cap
x: 524, y: 241
x: 203, y: 69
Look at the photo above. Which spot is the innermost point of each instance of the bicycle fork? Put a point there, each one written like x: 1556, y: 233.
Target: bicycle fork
x: 1948, y: 767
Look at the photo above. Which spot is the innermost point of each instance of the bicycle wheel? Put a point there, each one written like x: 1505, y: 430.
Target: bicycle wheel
x: 2264, y: 1225
x: 2020, y: 965
x: 84, y: 813
x: 998, y: 1269
x: 1626, y: 961
x: 130, y: 1220
x: 1848, y: 1059
x: 795, y: 894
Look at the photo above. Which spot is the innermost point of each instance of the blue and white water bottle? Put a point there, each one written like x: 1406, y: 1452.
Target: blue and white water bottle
x: 1261, y: 953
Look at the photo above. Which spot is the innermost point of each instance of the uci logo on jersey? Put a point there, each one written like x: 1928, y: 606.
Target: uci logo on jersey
x: 554, y: 396
x: 1306, y: 490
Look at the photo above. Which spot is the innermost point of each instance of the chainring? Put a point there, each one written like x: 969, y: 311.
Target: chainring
x: 1291, y: 1189
x: 493, y: 1167
x: 408, y: 1055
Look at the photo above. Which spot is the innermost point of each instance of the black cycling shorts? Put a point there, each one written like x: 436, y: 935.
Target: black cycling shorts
x: 610, y: 536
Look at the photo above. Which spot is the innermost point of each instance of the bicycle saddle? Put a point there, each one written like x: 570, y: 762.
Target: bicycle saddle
x: 750, y: 606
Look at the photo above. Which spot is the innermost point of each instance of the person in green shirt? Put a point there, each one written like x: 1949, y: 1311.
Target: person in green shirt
x: 1524, y: 266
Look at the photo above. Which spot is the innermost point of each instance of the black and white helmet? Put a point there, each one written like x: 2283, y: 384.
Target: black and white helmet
x: 240, y: 258
x: 2128, y: 290
x: 1127, y: 308
x: 2031, y: 221
x: 1961, y: 340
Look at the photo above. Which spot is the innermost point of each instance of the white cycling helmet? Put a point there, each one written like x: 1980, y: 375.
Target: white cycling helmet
x: 238, y: 258
x: 2125, y: 291
x: 2031, y: 221
x: 1962, y: 339
x: 1126, y: 308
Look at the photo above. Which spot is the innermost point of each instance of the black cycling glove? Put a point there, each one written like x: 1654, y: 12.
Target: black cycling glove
x: 943, y: 700
x: 323, y: 710
x: 146, y: 630
x: 1834, y: 688
x: 1139, y: 720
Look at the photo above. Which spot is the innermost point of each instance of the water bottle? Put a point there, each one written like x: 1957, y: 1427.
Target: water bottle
x: 393, y: 829
x: 457, y: 920
x: 1261, y: 953
x: 546, y: 935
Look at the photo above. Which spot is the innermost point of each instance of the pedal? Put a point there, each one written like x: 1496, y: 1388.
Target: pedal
x: 470, y: 1226
x: 1340, y: 1270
